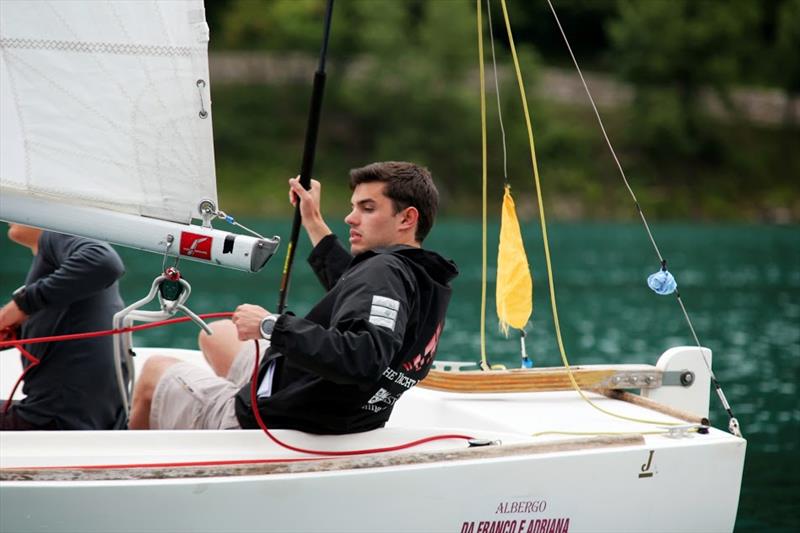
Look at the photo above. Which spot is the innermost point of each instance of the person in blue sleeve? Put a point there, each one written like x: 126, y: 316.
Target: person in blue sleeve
x: 71, y: 287
x: 342, y: 367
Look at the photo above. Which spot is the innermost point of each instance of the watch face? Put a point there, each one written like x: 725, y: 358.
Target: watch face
x: 267, y: 325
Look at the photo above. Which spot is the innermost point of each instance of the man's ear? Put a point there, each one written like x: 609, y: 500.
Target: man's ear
x: 410, y: 217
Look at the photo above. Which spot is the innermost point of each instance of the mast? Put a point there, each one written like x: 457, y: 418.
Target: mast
x: 309, y: 151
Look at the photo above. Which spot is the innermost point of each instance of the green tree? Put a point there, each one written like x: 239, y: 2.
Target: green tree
x: 672, y: 51
x: 410, y: 96
x: 787, y: 47
x: 276, y: 26
x: 295, y: 26
x: 399, y: 86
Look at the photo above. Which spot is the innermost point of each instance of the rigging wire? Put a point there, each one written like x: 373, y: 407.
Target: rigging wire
x: 733, y: 424
x: 543, y: 222
x: 484, y: 364
x: 230, y: 220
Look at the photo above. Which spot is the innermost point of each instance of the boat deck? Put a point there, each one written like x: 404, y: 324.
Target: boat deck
x: 560, y: 417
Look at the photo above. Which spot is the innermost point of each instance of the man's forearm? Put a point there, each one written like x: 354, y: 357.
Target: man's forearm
x: 309, y: 200
x: 316, y: 229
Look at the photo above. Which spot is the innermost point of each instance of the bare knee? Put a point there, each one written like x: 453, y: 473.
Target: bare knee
x: 152, y: 372
x: 221, y: 348
x: 223, y: 330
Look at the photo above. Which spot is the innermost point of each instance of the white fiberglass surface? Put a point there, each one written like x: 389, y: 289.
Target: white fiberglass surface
x: 509, y: 418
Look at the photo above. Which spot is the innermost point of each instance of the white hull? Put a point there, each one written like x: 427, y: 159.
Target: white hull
x: 634, y: 482
x: 693, y: 489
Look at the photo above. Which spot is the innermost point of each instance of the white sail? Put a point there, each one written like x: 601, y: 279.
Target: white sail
x: 106, y: 104
x: 105, y: 126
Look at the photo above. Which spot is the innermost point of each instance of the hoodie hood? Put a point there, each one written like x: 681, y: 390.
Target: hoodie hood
x: 442, y: 271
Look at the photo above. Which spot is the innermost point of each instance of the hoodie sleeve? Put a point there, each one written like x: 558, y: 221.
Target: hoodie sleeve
x: 329, y: 260
x: 367, y: 327
x: 82, y: 268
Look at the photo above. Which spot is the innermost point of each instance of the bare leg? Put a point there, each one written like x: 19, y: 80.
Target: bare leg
x: 221, y: 348
x: 151, y: 374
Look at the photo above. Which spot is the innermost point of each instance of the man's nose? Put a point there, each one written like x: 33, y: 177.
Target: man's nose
x: 350, y: 219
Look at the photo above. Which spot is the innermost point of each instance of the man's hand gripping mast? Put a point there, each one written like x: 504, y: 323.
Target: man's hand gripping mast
x: 172, y: 292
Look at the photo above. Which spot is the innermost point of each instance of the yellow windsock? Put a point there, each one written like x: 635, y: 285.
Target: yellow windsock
x: 514, y: 282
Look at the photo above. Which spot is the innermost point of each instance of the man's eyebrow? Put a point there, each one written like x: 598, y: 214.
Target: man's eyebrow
x: 362, y: 203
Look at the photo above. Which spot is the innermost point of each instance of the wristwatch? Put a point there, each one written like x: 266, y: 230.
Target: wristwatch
x: 267, y: 325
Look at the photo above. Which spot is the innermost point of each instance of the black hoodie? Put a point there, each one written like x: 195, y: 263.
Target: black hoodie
x: 371, y: 337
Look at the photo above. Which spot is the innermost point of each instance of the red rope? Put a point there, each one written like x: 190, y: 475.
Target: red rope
x: 276, y: 440
x: 33, y: 362
x: 17, y: 343
x: 93, y: 334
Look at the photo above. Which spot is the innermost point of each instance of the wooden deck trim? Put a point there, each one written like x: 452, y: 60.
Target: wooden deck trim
x: 537, y: 379
x: 323, y: 465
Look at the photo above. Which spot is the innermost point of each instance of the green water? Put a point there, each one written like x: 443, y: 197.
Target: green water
x: 741, y: 286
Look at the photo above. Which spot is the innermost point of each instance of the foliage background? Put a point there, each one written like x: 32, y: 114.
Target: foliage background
x: 403, y: 84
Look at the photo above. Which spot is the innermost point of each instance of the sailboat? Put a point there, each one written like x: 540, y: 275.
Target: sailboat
x: 106, y: 133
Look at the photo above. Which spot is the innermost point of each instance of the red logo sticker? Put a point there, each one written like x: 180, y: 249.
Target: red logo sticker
x: 195, y: 245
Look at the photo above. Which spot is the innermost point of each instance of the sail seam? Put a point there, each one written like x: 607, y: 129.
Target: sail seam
x: 100, y: 47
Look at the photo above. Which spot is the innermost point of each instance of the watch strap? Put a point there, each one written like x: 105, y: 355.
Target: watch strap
x: 19, y: 298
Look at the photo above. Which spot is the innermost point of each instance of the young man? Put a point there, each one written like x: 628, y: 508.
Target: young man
x: 341, y: 368
x: 71, y: 287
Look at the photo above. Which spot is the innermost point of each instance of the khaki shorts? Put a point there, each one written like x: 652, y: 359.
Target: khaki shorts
x: 190, y: 396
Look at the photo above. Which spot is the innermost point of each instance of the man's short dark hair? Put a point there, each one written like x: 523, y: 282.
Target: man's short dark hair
x: 407, y: 185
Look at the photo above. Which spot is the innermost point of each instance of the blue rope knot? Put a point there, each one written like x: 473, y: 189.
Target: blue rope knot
x: 662, y: 282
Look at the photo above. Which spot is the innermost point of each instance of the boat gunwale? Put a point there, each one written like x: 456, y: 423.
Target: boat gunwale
x: 314, y: 464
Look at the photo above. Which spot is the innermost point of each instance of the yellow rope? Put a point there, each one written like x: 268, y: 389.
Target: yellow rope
x: 543, y: 221
x: 484, y: 362
x: 581, y: 433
